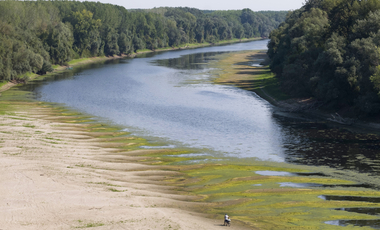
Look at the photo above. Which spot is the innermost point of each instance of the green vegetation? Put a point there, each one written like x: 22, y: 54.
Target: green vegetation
x: 236, y: 69
x: 29, y: 126
x: 270, y: 86
x: 3, y: 83
x: 36, y: 36
x: 262, y: 202
x: 329, y: 49
x: 89, y: 225
x: 228, y: 185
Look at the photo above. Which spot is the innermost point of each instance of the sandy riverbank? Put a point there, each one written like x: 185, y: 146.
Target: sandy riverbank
x: 56, y: 175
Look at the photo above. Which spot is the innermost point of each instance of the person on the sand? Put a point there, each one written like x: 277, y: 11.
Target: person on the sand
x: 227, y: 219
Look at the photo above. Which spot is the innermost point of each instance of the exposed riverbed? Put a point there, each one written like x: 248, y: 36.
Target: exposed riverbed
x: 170, y: 99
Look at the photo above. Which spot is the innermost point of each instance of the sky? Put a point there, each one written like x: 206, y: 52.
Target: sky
x: 255, y: 5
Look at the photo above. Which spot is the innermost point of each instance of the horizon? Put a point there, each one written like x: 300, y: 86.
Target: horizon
x: 269, y: 5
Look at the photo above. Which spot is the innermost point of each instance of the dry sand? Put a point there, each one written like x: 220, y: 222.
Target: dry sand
x: 54, y: 175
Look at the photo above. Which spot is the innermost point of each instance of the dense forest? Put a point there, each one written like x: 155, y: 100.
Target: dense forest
x: 329, y: 50
x: 36, y: 34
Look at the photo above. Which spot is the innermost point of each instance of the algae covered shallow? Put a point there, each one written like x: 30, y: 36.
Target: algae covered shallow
x: 232, y: 189
x: 228, y: 184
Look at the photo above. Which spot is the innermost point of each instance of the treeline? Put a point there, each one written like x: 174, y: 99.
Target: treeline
x: 329, y: 49
x: 36, y: 34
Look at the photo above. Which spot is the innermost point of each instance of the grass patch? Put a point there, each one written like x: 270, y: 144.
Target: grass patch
x: 76, y: 61
x: 15, y: 94
x: 12, y: 154
x: 260, y: 201
x: 90, y: 225
x: 53, y: 139
x: 143, y: 51
x: 104, y: 183
x: 82, y: 165
x: 3, y: 83
x: 29, y: 126
x: 5, y: 108
x: 116, y: 190
x: 238, y: 69
x: 27, y: 76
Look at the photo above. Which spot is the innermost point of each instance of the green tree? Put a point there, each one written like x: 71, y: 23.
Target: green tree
x: 83, y: 23
x: 60, y: 41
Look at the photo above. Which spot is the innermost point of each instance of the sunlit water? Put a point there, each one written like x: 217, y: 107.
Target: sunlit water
x: 160, y: 101
x: 169, y: 96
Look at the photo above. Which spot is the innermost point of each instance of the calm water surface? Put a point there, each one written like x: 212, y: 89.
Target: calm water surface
x: 169, y: 95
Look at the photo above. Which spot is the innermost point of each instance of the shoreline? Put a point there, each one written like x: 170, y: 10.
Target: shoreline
x: 38, y: 169
x: 251, y: 78
x: 58, y: 174
x: 58, y: 171
x: 65, y: 173
x: 77, y: 62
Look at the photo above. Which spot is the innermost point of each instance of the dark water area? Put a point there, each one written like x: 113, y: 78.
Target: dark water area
x: 375, y: 224
x: 368, y: 211
x: 169, y: 96
x: 322, y: 143
x: 375, y: 211
x: 351, y: 198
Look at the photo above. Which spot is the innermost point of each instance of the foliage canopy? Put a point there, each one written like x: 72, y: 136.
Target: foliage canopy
x: 36, y: 34
x: 329, y: 49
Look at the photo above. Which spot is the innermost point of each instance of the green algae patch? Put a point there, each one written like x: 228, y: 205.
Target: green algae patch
x: 5, y: 108
x: 228, y: 187
x: 14, y: 94
x: 232, y: 187
x: 261, y: 202
x: 168, y: 156
x: 241, y: 69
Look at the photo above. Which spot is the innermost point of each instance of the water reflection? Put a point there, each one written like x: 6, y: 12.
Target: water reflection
x: 154, y: 96
x: 187, y: 62
x: 375, y: 224
x: 299, y: 185
x: 157, y: 101
x: 315, y: 142
x: 275, y: 173
x: 368, y: 211
x: 351, y: 198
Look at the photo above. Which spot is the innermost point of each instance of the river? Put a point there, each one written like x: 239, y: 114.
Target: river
x: 168, y: 97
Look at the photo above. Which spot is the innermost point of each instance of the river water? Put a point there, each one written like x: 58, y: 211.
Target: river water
x: 169, y: 96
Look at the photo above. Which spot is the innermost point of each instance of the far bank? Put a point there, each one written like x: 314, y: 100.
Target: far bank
x: 248, y: 70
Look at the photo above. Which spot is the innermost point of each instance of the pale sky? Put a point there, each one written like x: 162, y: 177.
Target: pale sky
x: 255, y: 5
